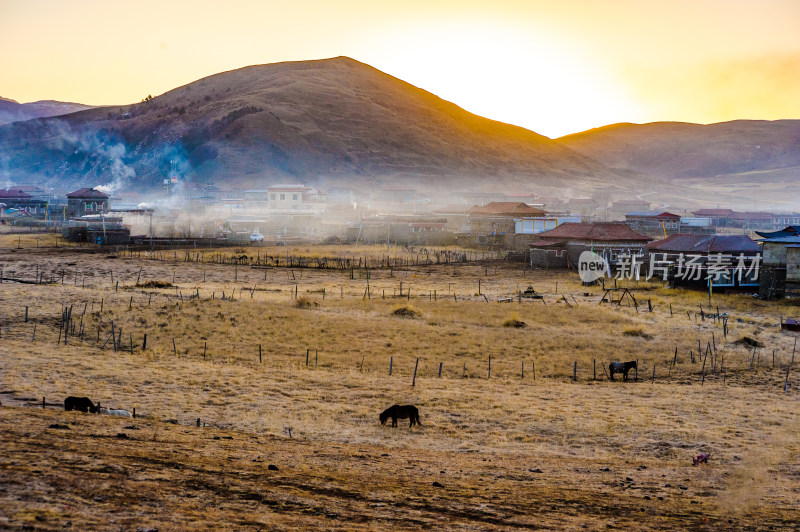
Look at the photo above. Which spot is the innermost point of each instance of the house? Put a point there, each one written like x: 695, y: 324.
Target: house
x: 697, y: 260
x: 495, y: 220
x: 293, y: 199
x: 561, y: 247
x: 729, y: 218
x: 781, y: 269
x: 22, y: 203
x: 100, y: 229
x: 719, y: 217
x: 790, y: 230
x: 786, y: 218
x: 456, y: 216
x: 653, y: 223
x: 87, y: 201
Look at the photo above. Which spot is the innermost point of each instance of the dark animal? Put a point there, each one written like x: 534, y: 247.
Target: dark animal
x: 401, y: 412
x: 700, y: 459
x: 621, y: 367
x: 81, y: 404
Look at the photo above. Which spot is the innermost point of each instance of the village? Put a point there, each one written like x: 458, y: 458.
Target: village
x: 757, y: 252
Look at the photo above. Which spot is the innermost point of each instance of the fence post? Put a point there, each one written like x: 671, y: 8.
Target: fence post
x: 414, y: 379
x: 594, y: 369
x: 440, y: 370
x: 575, y: 371
x: 489, y: 376
x: 391, y: 360
x: 144, y: 342
x: 259, y: 353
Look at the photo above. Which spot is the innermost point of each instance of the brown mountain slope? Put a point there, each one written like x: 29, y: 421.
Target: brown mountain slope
x: 742, y: 161
x: 328, y: 122
x: 676, y: 150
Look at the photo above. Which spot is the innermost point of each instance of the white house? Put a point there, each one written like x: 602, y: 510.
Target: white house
x: 295, y: 199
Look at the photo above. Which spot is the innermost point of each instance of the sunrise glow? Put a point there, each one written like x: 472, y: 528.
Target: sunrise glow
x: 553, y: 67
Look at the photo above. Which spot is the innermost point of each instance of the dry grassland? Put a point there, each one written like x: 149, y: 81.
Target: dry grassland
x: 508, y: 450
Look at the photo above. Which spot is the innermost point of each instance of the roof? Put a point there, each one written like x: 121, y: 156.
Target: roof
x: 87, y: 193
x: 652, y: 214
x: 600, y: 232
x: 791, y: 230
x: 285, y: 187
x: 689, y: 243
x: 14, y: 195
x: 505, y: 208
x: 713, y: 212
x: 782, y: 240
x: 751, y: 216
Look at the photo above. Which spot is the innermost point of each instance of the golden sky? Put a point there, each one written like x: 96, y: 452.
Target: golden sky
x: 555, y: 67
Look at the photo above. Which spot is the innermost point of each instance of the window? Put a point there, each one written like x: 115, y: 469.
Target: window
x: 283, y: 196
x: 273, y: 197
x: 294, y: 197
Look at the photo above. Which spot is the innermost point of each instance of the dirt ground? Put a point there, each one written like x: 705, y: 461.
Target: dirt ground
x: 291, y: 368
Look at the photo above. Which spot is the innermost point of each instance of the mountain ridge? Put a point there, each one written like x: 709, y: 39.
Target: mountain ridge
x: 323, y: 122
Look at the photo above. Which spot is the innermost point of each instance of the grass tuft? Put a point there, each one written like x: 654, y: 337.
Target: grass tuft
x: 406, y: 312
x: 514, y: 321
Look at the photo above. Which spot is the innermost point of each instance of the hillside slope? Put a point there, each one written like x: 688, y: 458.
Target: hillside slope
x: 333, y: 122
x: 742, y: 160
x: 12, y: 111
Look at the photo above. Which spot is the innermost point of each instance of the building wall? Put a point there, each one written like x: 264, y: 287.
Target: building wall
x: 548, y: 258
x: 77, y: 207
x: 772, y: 282
x: 793, y: 265
x: 773, y: 253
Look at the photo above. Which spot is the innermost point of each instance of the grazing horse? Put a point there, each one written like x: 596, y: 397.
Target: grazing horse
x: 401, y: 412
x: 621, y: 367
x: 701, y: 459
x: 81, y: 404
x: 112, y: 411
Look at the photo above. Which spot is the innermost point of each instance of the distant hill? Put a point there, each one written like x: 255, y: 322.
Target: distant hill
x: 333, y: 122
x: 737, y: 162
x: 11, y: 111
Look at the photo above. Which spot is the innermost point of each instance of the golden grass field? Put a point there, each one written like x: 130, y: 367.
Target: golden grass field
x: 506, y: 450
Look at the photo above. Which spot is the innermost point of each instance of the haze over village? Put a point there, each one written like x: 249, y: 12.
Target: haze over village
x: 560, y: 240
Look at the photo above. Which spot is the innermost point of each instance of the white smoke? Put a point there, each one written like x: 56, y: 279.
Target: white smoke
x: 62, y: 136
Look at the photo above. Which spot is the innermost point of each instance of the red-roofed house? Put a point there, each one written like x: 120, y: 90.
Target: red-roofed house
x: 86, y: 201
x: 561, y: 247
x: 17, y: 199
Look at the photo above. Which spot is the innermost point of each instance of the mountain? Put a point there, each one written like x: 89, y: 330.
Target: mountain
x: 332, y: 122
x: 736, y: 162
x: 12, y: 111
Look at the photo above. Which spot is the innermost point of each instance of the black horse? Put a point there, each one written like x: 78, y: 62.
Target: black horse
x: 621, y: 367
x: 401, y: 412
x: 81, y: 404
